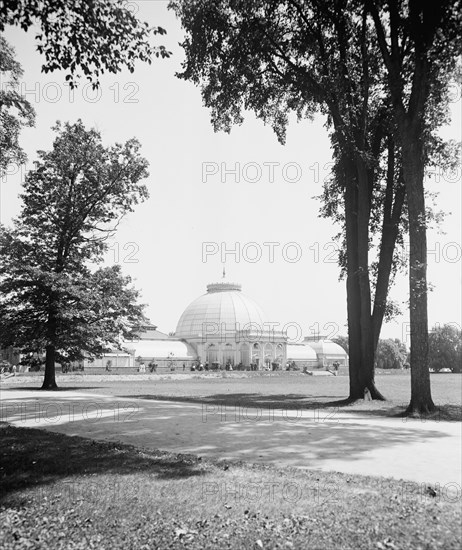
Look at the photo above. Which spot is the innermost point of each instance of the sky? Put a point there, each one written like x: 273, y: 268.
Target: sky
x: 217, y: 198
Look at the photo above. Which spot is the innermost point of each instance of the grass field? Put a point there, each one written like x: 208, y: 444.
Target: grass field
x: 285, y: 390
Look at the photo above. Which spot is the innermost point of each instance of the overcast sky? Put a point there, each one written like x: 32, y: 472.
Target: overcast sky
x: 173, y: 245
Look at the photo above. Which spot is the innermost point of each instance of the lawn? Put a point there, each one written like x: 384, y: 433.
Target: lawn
x: 64, y: 492
x: 282, y: 390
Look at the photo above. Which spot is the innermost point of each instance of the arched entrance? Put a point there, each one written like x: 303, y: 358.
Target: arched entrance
x: 279, y: 355
x: 268, y: 358
x: 212, y: 354
x: 228, y: 355
x: 245, y: 354
x: 256, y: 355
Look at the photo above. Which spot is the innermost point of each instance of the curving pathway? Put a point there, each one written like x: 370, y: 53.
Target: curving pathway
x: 426, y: 452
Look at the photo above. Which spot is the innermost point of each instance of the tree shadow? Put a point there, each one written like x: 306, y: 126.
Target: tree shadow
x: 285, y: 402
x: 291, y: 401
x: 31, y: 458
x: 39, y: 390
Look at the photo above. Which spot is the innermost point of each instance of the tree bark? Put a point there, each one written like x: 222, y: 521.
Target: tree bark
x: 360, y: 334
x: 413, y: 169
x: 420, y: 26
x: 49, y: 381
x: 392, y: 212
x: 367, y: 336
x: 353, y: 295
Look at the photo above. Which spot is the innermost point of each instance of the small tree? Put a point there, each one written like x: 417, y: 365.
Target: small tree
x: 51, y: 298
x: 445, y: 348
x: 388, y: 355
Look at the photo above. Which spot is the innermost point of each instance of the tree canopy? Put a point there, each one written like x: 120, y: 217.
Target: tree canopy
x: 15, y: 111
x: 85, y: 37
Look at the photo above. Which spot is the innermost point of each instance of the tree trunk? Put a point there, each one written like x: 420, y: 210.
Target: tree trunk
x: 49, y: 381
x: 360, y: 334
x: 353, y: 295
x: 392, y: 211
x: 367, y: 334
x: 413, y: 170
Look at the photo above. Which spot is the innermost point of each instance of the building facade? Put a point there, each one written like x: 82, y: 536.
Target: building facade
x: 225, y: 328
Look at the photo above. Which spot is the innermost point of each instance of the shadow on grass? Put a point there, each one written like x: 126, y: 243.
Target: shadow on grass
x: 39, y: 390
x: 291, y: 401
x: 296, y: 402
x: 31, y: 457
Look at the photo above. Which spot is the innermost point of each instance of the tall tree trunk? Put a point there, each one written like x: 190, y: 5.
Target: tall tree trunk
x: 367, y: 334
x: 392, y: 211
x: 360, y: 335
x: 49, y: 381
x: 353, y: 294
x: 420, y: 25
x: 413, y: 170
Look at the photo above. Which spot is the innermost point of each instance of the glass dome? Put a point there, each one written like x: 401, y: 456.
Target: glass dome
x: 223, y: 309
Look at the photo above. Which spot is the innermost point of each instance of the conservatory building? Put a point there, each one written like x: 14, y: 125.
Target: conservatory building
x: 223, y: 328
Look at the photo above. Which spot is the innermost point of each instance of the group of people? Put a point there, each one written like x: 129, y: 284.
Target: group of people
x: 199, y: 366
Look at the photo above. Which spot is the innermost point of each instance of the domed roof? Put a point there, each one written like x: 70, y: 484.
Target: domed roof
x: 223, y: 310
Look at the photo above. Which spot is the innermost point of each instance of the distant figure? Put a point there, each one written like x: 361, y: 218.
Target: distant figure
x: 184, y: 366
x: 109, y: 365
x: 336, y: 365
